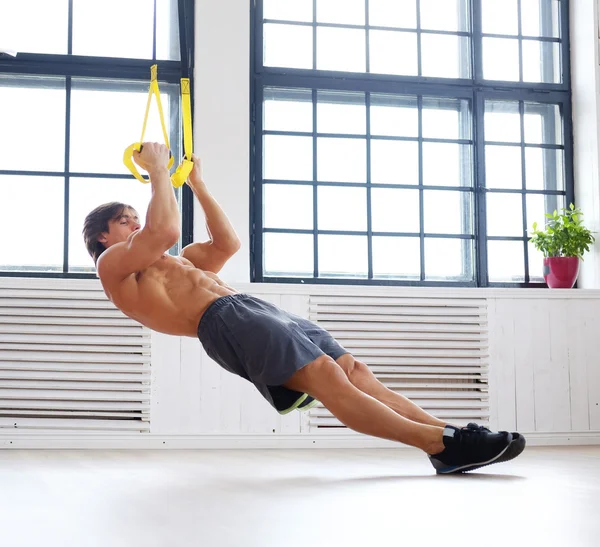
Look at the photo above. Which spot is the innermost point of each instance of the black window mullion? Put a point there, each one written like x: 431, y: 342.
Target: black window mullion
x: 315, y: 184
x: 370, y: 274
x: 523, y: 180
x: 314, y: 26
x: 421, y: 195
x: 419, y: 47
x: 70, y: 28
x: 481, y: 259
x: 67, y: 177
x: 256, y: 188
x: 154, y: 31
x: 520, y: 33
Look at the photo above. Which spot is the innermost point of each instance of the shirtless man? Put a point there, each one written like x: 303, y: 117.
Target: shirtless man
x: 292, y: 362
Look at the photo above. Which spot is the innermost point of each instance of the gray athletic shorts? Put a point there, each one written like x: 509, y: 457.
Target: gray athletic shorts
x: 265, y: 345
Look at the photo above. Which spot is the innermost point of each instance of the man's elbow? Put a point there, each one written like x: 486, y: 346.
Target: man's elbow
x: 236, y: 246
x: 171, y: 236
x: 230, y: 247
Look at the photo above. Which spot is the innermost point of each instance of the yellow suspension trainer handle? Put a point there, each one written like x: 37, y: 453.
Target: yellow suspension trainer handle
x: 128, y: 154
x: 185, y: 168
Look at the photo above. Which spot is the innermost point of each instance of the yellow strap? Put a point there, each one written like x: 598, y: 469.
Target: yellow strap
x: 185, y: 168
x: 128, y: 154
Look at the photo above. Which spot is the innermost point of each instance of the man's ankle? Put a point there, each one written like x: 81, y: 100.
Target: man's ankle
x: 436, y: 444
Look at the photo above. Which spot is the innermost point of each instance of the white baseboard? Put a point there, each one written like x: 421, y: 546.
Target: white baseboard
x: 67, y: 441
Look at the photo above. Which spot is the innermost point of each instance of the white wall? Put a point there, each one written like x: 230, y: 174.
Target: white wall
x: 222, y: 119
x: 586, y: 120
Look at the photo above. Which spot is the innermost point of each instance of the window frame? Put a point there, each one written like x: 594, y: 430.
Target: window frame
x: 476, y: 90
x: 133, y: 73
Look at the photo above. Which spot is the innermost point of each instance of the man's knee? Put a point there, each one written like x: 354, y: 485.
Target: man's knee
x: 320, y: 374
x: 356, y: 371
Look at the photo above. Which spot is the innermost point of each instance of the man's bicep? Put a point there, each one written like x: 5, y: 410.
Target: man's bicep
x: 133, y: 256
x: 205, y: 256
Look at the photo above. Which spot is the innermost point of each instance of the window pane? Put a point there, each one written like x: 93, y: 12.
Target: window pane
x: 87, y: 194
x: 288, y: 110
x: 36, y: 244
x: 392, y: 52
x: 343, y: 256
x: 289, y: 255
x: 506, y: 261
x: 113, y: 28
x: 500, y: 17
x: 393, y: 13
x: 504, y: 215
x: 537, y: 207
x: 541, y: 62
x: 339, y: 112
x: 288, y: 46
x: 288, y: 206
x: 501, y: 59
x: 445, y: 15
x: 342, y: 208
x: 394, y: 116
x: 298, y: 10
x: 503, y: 167
x: 445, y: 56
x: 543, y: 124
x: 394, y: 210
x: 288, y: 157
x: 341, y: 160
x: 340, y: 49
x: 24, y: 103
x: 349, y: 12
x: 447, y: 164
x: 396, y: 257
x: 540, y: 18
x: 448, y: 259
x: 394, y: 162
x: 536, y: 264
x: 447, y: 212
x: 105, y: 121
x: 544, y: 169
x: 24, y: 26
x: 502, y: 121
x: 167, y: 30
x: 445, y: 119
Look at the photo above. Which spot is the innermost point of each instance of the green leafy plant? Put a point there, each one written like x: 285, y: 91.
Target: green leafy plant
x: 564, y: 234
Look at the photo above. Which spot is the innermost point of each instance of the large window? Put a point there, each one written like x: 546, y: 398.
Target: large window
x: 71, y: 101
x: 407, y: 141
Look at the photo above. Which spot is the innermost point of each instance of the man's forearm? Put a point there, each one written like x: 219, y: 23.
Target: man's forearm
x: 220, y: 230
x: 163, y: 212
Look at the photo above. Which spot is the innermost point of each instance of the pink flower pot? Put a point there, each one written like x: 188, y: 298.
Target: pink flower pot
x: 560, y: 272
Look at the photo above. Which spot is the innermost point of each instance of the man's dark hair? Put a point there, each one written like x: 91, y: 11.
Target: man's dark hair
x: 97, y: 222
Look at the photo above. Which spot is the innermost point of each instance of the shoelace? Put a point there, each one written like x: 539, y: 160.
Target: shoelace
x: 474, y: 426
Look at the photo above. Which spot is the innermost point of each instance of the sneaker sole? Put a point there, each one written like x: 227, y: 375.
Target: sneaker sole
x: 515, y: 447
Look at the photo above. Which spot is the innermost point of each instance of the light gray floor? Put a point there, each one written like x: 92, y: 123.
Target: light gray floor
x: 282, y: 498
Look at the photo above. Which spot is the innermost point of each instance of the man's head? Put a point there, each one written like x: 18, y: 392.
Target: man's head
x: 108, y: 224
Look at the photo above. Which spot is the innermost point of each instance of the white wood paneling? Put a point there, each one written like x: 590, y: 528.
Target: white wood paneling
x: 544, y: 369
x: 69, y: 360
x: 422, y: 368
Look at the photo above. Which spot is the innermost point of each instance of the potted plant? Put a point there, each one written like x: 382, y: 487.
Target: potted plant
x: 563, y: 242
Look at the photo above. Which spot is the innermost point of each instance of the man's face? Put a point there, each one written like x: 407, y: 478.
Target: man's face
x: 121, y: 228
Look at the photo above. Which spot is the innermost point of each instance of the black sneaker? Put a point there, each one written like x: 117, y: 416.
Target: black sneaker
x: 468, y: 449
x: 517, y: 444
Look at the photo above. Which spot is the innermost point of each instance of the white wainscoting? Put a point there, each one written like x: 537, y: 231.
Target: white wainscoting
x: 544, y: 378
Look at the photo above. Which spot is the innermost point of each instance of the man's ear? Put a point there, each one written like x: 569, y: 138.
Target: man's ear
x: 102, y: 237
